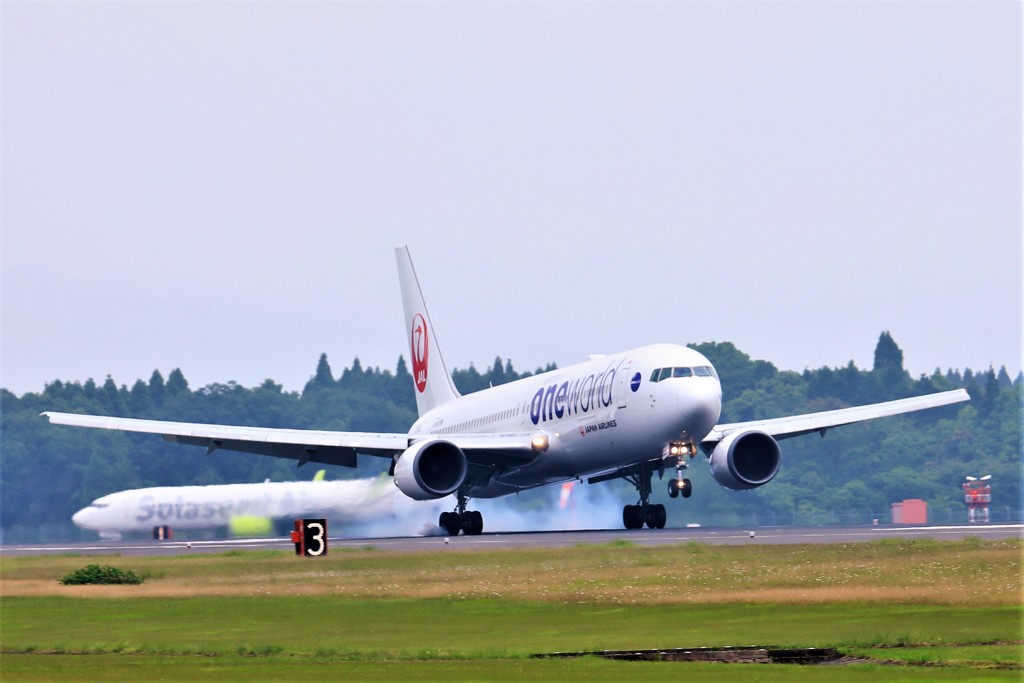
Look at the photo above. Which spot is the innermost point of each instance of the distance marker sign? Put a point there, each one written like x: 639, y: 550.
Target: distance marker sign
x: 310, y: 537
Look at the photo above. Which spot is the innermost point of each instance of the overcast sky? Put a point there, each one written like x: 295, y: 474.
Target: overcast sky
x: 219, y: 186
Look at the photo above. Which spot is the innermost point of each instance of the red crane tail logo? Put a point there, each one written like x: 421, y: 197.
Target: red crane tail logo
x: 420, y: 352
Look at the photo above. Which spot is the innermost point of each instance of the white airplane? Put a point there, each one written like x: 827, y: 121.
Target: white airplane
x: 244, y: 509
x: 626, y: 415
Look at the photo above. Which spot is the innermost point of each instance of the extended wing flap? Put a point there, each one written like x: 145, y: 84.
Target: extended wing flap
x: 304, y: 445
x: 795, y: 425
x: 328, y: 455
x: 335, y: 448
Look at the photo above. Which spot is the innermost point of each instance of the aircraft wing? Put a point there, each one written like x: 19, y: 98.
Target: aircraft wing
x: 795, y: 425
x: 304, y: 445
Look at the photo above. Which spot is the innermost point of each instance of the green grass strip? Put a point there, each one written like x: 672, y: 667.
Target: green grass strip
x: 444, y: 628
x: 142, y: 669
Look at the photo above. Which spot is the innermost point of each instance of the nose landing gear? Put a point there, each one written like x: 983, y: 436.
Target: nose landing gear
x: 680, y: 487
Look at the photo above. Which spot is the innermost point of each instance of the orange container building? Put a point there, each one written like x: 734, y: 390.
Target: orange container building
x: 910, y: 511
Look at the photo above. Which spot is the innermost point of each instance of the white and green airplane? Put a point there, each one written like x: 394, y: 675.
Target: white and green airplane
x: 627, y: 415
x: 252, y: 510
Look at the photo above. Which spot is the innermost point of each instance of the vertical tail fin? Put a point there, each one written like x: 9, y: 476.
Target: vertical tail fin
x: 430, y: 375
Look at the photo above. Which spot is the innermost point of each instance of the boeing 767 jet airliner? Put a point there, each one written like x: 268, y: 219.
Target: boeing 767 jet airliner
x: 626, y: 415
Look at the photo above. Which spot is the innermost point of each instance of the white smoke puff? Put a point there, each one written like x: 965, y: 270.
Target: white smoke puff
x: 588, y: 507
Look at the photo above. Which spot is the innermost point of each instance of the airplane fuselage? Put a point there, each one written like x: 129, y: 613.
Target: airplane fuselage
x: 215, y: 506
x: 598, y: 416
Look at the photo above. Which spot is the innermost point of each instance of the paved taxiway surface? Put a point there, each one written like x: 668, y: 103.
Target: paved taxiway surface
x: 545, y: 539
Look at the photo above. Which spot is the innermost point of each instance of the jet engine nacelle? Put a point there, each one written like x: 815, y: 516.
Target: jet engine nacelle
x: 430, y: 469
x: 745, y: 460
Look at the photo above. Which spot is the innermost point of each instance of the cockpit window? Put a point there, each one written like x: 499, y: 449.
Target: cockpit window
x: 661, y: 374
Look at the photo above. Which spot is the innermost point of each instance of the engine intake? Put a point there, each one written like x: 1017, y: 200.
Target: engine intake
x: 430, y: 469
x: 746, y: 460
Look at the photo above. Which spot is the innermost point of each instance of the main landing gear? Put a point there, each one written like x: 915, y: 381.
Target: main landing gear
x: 469, y: 522
x: 644, y: 512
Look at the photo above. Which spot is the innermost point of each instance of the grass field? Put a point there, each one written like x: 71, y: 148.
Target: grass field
x: 467, y: 615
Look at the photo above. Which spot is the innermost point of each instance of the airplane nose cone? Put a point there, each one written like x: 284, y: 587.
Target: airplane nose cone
x: 81, y: 518
x: 701, y: 403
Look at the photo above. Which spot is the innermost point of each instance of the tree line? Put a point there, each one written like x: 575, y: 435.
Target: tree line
x: 48, y: 472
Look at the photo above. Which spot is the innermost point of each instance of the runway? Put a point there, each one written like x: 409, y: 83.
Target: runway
x: 544, y: 539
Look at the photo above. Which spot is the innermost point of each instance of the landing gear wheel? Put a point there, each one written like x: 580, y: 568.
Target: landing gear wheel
x: 655, y: 516
x: 680, y: 486
x: 450, y: 522
x: 472, y: 523
x: 632, y: 517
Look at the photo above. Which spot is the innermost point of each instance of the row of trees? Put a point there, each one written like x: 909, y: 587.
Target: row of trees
x: 47, y: 472
x: 865, y: 468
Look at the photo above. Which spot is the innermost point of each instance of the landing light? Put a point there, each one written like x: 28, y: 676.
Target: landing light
x: 679, y: 449
x: 539, y: 442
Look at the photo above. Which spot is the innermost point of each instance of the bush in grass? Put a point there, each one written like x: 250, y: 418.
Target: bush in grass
x: 96, y: 574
